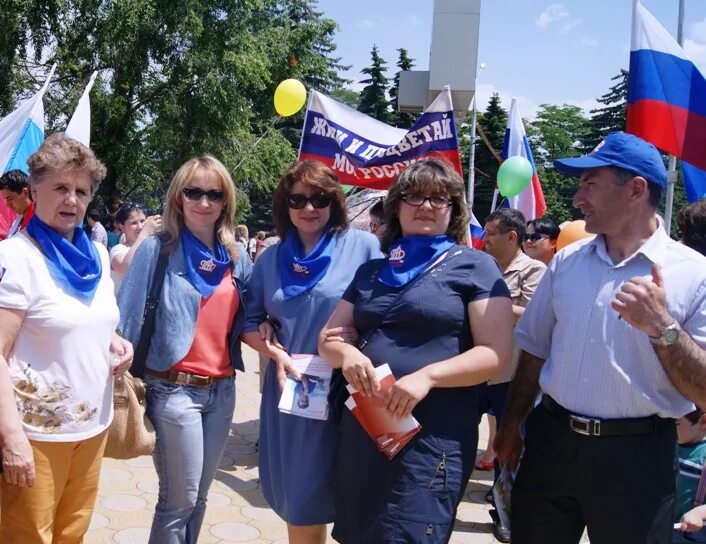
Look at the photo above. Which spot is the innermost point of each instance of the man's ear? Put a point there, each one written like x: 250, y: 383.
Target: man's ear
x: 639, y: 187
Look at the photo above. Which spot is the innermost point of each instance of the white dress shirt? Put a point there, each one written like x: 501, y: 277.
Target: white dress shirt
x: 596, y: 363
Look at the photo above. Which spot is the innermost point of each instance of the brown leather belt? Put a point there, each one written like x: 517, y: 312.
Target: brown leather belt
x: 185, y: 378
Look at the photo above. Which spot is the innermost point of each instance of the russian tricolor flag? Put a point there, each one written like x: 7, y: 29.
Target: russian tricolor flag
x: 21, y: 134
x: 476, y: 233
x: 667, y: 98
x: 22, y: 131
x: 530, y: 201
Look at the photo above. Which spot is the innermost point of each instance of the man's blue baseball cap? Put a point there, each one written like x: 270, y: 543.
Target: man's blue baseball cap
x: 623, y: 151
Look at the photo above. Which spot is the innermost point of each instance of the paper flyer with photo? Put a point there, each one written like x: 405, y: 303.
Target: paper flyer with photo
x: 307, y: 397
x: 502, y: 492
x: 390, y: 433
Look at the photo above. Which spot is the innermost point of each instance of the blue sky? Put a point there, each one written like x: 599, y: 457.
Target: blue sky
x: 536, y: 50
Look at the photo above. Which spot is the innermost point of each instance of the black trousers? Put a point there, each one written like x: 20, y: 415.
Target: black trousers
x: 620, y: 487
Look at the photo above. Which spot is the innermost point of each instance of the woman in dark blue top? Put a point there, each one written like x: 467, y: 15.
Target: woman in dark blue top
x: 439, y: 314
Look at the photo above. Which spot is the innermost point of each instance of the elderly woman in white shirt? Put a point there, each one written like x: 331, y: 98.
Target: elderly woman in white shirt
x: 58, y: 353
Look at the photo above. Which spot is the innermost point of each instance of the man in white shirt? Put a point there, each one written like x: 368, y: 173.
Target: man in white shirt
x: 614, y: 338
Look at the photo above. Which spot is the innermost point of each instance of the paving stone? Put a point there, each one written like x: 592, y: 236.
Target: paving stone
x: 143, y: 461
x: 264, y: 514
x: 98, y: 521
x: 115, y: 475
x: 149, y: 486
x: 134, y: 535
x: 124, y: 503
x: 234, y: 532
x: 217, y: 500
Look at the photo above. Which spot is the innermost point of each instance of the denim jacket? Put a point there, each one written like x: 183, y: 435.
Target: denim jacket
x: 178, y: 308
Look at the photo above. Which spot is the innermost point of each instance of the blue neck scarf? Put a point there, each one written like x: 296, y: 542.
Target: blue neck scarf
x: 300, y: 273
x: 410, y: 256
x: 205, y: 268
x: 78, y: 263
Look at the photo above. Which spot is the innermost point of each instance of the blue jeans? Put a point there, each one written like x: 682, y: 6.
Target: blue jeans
x: 191, y: 424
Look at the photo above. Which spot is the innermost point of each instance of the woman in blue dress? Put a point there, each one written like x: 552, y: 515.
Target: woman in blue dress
x: 439, y: 314
x: 295, y: 285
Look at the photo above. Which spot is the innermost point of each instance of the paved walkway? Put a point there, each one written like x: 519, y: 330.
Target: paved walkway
x: 236, y: 510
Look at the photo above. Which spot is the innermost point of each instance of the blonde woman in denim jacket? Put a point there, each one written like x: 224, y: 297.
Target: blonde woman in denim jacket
x: 194, y: 351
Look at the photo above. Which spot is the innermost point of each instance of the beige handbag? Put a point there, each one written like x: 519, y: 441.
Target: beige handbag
x: 131, y: 433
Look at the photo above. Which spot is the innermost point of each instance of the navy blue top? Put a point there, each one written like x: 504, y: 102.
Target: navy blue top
x: 428, y: 323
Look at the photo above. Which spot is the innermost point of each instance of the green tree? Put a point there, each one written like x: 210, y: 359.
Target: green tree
x: 176, y: 80
x: 399, y: 119
x: 554, y: 133
x: 492, y: 122
x: 373, y: 99
x: 610, y: 116
x: 346, y: 96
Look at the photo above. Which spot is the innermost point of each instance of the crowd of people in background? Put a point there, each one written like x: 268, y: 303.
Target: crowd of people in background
x: 590, y: 362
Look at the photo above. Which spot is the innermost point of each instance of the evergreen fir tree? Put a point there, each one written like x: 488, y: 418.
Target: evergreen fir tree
x: 492, y: 122
x: 373, y: 99
x: 316, y: 66
x: 609, y: 117
x: 401, y: 120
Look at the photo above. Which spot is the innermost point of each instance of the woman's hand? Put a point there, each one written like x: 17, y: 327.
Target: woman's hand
x: 360, y: 373
x: 152, y: 225
x: 407, y: 392
x: 268, y: 334
x: 18, y: 460
x: 693, y: 520
x: 122, y: 353
x: 284, y: 367
x: 349, y: 335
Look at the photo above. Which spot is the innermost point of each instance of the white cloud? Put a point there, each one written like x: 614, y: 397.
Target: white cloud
x: 551, y: 14
x: 366, y: 23
x: 696, y: 51
x: 414, y: 21
x: 697, y: 31
x: 695, y: 45
x: 570, y: 25
x: 589, y: 42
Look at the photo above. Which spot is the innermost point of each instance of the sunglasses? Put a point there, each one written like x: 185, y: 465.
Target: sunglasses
x: 436, y: 201
x: 195, y: 195
x: 535, y: 237
x: 297, y: 201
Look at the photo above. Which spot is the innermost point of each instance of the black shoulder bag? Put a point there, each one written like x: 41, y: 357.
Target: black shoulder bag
x: 149, y: 317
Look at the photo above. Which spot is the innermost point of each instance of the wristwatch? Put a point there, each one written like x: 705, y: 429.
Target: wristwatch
x: 667, y: 335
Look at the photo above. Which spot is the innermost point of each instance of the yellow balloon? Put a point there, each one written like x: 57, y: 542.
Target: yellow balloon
x: 290, y: 96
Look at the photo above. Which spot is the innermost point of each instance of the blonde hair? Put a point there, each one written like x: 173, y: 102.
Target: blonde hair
x: 173, y: 217
x: 242, y: 231
x: 59, y: 152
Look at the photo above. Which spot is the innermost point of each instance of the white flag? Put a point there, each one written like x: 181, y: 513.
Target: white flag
x: 79, y: 127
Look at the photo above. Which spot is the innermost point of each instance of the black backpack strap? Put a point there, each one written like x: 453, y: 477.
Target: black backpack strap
x: 149, y: 317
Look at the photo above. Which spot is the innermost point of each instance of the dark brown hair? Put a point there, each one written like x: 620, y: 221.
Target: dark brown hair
x: 691, y: 220
x: 428, y: 176
x: 317, y: 176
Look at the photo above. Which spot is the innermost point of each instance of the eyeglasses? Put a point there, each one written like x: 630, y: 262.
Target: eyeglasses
x: 195, y: 195
x: 436, y: 201
x: 297, y: 201
x: 535, y: 237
